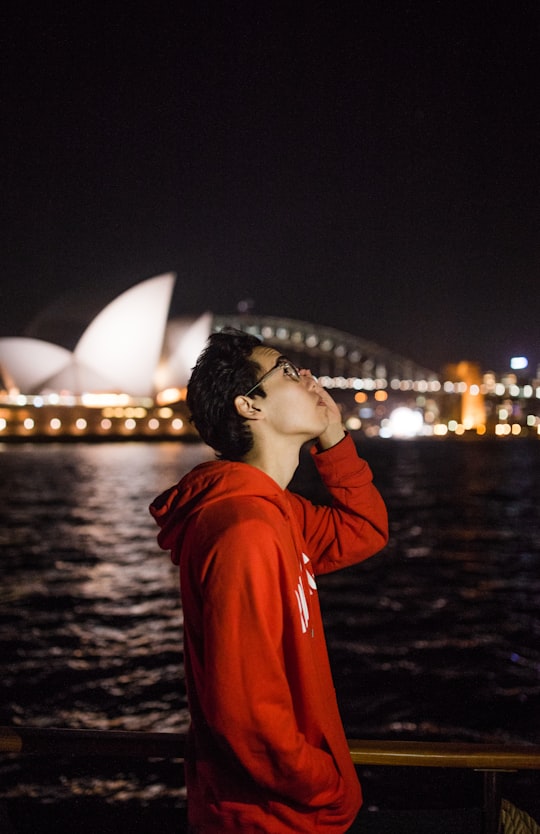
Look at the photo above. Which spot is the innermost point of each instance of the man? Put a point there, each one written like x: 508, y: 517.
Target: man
x: 266, y: 748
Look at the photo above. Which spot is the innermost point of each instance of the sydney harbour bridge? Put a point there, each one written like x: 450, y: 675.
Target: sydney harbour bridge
x: 333, y: 354
x: 370, y: 382
x: 375, y: 386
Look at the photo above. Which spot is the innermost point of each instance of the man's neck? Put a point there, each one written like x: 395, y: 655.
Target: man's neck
x: 279, y: 462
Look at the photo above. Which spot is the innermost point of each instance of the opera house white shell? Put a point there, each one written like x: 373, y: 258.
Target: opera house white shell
x: 128, y: 348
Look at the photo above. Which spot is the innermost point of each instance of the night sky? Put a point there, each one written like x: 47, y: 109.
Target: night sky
x: 373, y: 169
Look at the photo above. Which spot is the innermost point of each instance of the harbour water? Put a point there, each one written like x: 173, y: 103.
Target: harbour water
x: 436, y: 638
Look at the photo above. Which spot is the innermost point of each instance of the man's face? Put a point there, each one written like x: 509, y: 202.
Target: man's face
x: 291, y: 407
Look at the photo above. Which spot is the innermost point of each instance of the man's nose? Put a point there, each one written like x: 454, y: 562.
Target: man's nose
x: 308, y: 378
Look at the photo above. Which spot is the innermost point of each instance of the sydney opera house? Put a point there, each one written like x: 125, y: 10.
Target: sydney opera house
x: 127, y: 366
x: 126, y: 378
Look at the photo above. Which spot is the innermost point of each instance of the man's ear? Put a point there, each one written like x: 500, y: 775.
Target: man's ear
x: 246, y: 409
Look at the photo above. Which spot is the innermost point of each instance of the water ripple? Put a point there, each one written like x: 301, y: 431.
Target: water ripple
x: 435, y: 638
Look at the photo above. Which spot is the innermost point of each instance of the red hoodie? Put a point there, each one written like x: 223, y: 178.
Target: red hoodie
x: 266, y: 750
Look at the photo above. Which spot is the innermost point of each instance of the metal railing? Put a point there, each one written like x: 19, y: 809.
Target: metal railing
x: 491, y: 759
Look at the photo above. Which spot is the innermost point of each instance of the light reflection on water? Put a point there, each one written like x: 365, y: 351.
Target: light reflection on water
x: 436, y: 638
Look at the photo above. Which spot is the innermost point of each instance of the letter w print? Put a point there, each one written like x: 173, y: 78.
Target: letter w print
x: 303, y: 607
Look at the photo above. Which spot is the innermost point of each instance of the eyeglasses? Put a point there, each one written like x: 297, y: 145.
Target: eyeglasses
x: 289, y: 370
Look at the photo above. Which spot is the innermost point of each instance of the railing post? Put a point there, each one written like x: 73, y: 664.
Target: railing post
x: 492, y: 801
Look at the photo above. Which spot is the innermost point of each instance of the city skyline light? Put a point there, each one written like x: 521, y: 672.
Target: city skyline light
x: 127, y: 374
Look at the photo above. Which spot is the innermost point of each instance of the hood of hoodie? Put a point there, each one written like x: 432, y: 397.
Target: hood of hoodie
x: 207, y: 484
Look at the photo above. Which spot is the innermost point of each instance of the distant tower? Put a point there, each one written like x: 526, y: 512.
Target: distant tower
x: 473, y: 407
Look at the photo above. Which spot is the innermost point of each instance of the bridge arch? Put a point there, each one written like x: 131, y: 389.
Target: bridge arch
x: 333, y: 354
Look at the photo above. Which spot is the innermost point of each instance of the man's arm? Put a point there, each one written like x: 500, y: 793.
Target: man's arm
x: 355, y: 526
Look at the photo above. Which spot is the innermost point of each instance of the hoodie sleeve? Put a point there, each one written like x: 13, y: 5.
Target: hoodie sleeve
x: 245, y: 694
x: 355, y: 526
